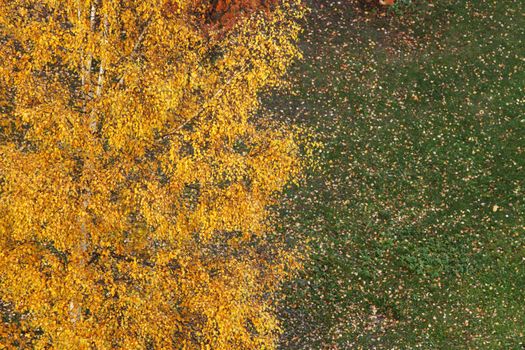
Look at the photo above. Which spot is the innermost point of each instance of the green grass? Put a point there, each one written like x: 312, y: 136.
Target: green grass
x: 416, y: 218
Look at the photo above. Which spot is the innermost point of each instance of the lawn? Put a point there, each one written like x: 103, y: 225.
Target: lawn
x: 415, y: 216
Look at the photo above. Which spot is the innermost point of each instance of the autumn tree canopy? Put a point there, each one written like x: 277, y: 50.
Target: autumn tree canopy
x: 225, y: 13
x: 136, y: 175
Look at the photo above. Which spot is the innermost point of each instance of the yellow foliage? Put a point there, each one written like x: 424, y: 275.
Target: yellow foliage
x: 136, y: 175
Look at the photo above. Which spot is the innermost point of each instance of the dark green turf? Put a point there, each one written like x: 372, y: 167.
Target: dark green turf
x: 417, y: 213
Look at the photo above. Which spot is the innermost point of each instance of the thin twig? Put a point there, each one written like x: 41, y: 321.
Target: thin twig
x: 135, y: 48
x: 205, y: 105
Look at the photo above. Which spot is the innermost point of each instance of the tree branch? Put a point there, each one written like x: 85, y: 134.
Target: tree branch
x: 205, y: 105
x: 135, y: 48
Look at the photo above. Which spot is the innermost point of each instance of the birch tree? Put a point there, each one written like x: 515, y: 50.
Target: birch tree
x: 136, y: 175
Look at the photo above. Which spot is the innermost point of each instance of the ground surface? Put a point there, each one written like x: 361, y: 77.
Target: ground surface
x: 416, y: 216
